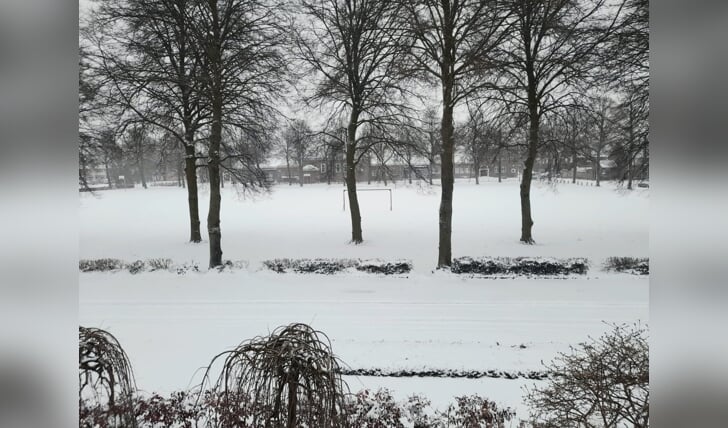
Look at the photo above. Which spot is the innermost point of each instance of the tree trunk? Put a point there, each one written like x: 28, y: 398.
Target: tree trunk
x: 356, y: 235
x: 192, y: 200
x: 140, y: 164
x: 526, y: 219
x: 213, y: 216
x: 108, y: 175
x: 630, y: 146
x: 300, y: 172
x: 500, y: 169
x: 574, y: 166
x: 288, y: 169
x: 292, y: 397
x: 447, y: 178
x: 476, y: 167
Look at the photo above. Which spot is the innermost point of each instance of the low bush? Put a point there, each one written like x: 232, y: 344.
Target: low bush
x: 136, y: 266
x: 400, y: 267
x: 187, y: 267
x: 633, y: 265
x: 374, y: 410
x: 100, y: 265
x: 519, y: 266
x: 333, y: 266
x: 159, y: 264
x: 365, y: 409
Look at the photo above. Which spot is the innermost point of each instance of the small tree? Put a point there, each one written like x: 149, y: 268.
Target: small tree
x: 292, y: 377
x: 105, y: 379
x: 602, y: 383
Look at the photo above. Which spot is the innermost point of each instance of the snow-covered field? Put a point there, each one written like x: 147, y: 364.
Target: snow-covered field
x: 171, y: 325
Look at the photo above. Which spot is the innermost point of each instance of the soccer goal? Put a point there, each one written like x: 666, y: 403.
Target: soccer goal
x: 343, y: 196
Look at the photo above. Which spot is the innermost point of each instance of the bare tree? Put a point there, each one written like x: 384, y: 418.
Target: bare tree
x: 548, y: 52
x: 481, y: 136
x: 430, y: 145
x: 357, y: 51
x: 601, y: 114
x: 242, y: 73
x: 110, y: 153
x: 454, y: 42
x: 632, y: 145
x: 146, y: 51
x: 298, y: 145
x: 601, y: 383
x: 291, y: 374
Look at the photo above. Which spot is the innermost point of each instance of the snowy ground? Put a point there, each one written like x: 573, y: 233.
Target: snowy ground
x: 570, y: 220
x: 171, y: 325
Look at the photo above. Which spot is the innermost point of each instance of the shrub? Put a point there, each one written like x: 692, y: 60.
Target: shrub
x: 291, y: 376
x: 100, y: 265
x: 374, y: 410
x: 106, y: 380
x: 187, y: 267
x: 159, y: 264
x: 321, y: 266
x: 332, y: 266
x: 633, y: 265
x: 136, y: 266
x: 519, y: 266
x: 383, y: 267
x: 604, y: 382
x: 476, y: 412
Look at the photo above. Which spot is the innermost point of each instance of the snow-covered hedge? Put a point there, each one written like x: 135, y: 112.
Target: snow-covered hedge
x: 100, y: 265
x: 633, y: 265
x: 152, y: 265
x: 332, y: 266
x: 519, y: 266
x: 449, y: 373
x: 365, y: 409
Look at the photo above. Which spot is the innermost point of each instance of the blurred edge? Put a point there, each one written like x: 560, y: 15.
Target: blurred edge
x: 38, y: 193
x: 38, y: 214
x: 689, y: 208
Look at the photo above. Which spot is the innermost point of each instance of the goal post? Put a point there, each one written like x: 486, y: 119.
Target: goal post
x: 343, y: 196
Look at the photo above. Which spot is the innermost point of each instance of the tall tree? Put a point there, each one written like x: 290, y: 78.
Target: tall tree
x: 298, y: 144
x: 243, y: 69
x: 454, y: 43
x: 146, y: 50
x: 626, y: 69
x: 481, y: 137
x: 602, y: 130
x: 357, y: 51
x: 549, y: 51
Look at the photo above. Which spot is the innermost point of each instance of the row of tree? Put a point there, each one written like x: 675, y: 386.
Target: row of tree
x: 210, y: 75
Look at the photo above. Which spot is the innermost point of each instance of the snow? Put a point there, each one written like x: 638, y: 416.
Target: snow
x: 309, y: 222
x: 172, y: 325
